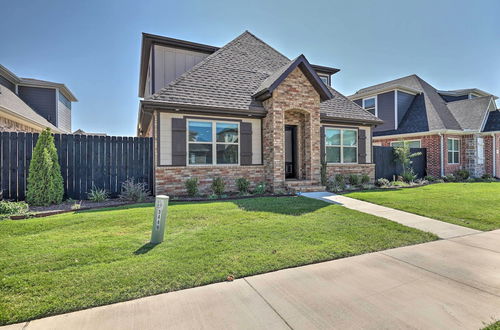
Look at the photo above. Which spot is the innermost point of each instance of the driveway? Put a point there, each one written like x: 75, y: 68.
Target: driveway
x: 445, y: 284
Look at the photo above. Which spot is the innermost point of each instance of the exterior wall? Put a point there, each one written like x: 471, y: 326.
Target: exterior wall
x: 385, y: 111
x: 6, y: 83
x: 42, y: 100
x: 63, y: 117
x: 294, y: 93
x: 346, y: 169
x: 8, y: 125
x: 170, y: 63
x: 148, y: 88
x: 172, y: 179
x: 468, y: 153
x: 166, y: 135
x: 404, y: 102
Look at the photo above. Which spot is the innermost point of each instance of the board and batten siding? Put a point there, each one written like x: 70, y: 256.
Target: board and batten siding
x: 170, y: 63
x: 6, y: 83
x: 404, y: 102
x: 148, y: 87
x: 385, y: 111
x: 165, y: 157
x: 63, y: 117
x: 42, y: 100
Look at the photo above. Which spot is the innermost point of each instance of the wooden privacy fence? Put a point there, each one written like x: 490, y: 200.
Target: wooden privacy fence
x: 86, y: 161
x: 387, y: 167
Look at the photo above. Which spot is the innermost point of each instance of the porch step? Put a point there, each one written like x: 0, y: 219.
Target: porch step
x: 304, y: 186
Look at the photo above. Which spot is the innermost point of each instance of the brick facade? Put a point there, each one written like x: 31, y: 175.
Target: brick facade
x: 172, y: 179
x: 294, y: 101
x: 468, y: 153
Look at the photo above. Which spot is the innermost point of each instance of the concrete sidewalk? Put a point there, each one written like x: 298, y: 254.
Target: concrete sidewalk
x: 440, y: 228
x: 446, y: 284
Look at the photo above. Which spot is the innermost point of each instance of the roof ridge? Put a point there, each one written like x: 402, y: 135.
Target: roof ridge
x: 431, y: 96
x: 209, y: 58
x: 362, y: 90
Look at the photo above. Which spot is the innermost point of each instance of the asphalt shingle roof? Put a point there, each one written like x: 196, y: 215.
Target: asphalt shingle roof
x: 230, y: 76
x: 429, y: 111
x: 10, y: 102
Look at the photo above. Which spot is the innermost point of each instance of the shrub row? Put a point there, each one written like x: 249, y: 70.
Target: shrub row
x: 339, y: 182
x: 218, y: 187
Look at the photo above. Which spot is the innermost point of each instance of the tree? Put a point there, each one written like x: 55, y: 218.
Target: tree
x: 45, y: 182
x: 403, y: 155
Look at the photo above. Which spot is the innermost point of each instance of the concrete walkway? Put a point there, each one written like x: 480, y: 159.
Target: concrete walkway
x: 445, y: 284
x: 440, y: 228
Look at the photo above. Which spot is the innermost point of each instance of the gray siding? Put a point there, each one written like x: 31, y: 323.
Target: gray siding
x: 170, y: 63
x: 42, y: 100
x: 385, y: 111
x: 63, y: 117
x: 7, y: 84
x: 404, y: 102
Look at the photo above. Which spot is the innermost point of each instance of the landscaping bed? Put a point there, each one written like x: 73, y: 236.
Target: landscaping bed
x: 471, y: 204
x: 78, y: 260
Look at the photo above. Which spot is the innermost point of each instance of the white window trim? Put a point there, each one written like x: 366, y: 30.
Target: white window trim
x: 450, y: 161
x: 414, y: 140
x: 214, y: 143
x: 376, y: 103
x: 325, y: 76
x: 341, y: 146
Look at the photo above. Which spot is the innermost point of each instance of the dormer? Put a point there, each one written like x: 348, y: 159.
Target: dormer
x: 462, y: 94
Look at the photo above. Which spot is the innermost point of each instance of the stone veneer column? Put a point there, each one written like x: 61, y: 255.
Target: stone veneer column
x: 294, y: 93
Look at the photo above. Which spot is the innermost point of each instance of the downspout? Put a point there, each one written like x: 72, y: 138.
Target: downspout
x: 442, y: 154
x: 494, y: 142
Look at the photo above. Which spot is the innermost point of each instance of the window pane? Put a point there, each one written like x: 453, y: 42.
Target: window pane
x: 324, y: 79
x: 414, y: 144
x: 397, y: 144
x: 200, y: 131
x: 369, y: 103
x: 450, y: 157
x: 350, y: 155
x: 372, y: 111
x: 450, y: 144
x: 349, y: 137
x: 227, y: 133
x: 333, y: 154
x: 457, y: 145
x: 332, y: 137
x: 227, y: 154
x: 455, y: 157
x: 200, y: 153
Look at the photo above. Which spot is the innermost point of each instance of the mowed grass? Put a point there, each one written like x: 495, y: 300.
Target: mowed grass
x: 474, y: 205
x: 78, y: 260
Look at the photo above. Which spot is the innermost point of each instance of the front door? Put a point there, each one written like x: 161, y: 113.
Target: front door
x: 290, y: 151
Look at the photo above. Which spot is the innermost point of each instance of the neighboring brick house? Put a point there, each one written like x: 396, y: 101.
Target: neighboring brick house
x: 459, y: 128
x: 246, y: 110
x: 31, y: 105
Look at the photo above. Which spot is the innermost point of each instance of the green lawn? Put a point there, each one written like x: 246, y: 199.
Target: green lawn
x: 474, y: 205
x: 79, y: 260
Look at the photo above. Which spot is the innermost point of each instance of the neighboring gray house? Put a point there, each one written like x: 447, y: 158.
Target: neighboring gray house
x: 31, y: 105
x: 459, y: 128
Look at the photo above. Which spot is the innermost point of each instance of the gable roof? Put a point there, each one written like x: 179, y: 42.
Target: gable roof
x: 429, y: 111
x: 269, y: 84
x: 231, y: 77
x: 13, y: 105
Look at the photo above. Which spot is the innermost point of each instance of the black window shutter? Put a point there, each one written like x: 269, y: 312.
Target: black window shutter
x: 246, y: 143
x: 362, y: 146
x: 322, y: 144
x: 179, y: 141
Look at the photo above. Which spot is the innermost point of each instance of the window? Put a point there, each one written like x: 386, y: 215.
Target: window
x: 341, y: 145
x: 324, y: 79
x: 412, y: 143
x: 370, y: 104
x: 453, y: 151
x: 213, y: 142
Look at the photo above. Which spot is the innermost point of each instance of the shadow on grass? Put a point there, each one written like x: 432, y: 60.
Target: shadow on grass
x: 145, y: 248
x: 282, y: 205
x: 116, y: 208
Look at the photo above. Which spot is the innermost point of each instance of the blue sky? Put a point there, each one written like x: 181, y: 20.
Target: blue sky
x: 94, y: 46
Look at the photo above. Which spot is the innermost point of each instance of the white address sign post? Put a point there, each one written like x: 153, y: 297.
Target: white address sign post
x: 160, y: 219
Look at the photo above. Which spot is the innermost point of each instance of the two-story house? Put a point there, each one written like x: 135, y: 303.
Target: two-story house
x: 246, y: 110
x: 31, y: 105
x: 459, y: 128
